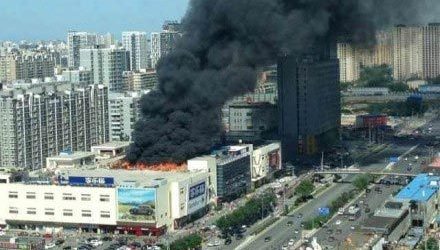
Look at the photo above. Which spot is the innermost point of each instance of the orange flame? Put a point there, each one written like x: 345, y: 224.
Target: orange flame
x: 164, y: 166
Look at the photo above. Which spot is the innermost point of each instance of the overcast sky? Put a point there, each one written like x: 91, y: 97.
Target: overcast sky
x: 51, y: 19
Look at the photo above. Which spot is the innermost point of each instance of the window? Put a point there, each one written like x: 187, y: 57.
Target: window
x: 67, y: 212
x: 13, y: 195
x: 85, y: 197
x: 13, y: 210
x: 48, y: 196
x: 68, y: 197
x: 30, y: 195
x: 105, y: 214
x: 31, y: 210
x: 104, y: 197
x: 86, y: 213
x: 49, y: 211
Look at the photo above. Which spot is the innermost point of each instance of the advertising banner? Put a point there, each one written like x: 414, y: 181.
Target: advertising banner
x: 136, y: 204
x: 275, y: 160
x: 91, y: 181
x: 196, y: 197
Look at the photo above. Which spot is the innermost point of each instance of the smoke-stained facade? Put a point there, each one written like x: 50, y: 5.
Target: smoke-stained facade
x: 222, y: 45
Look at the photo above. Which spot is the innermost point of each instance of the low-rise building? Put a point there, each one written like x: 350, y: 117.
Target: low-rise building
x: 102, y: 200
x: 423, y: 196
x: 391, y: 221
x: 266, y: 160
x: 247, y: 121
x: 229, y: 170
x: 70, y: 160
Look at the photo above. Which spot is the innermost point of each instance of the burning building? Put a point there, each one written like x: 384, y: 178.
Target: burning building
x: 224, y: 43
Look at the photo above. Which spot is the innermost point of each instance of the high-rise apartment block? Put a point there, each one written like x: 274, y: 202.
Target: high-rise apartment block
x: 124, y: 111
x: 413, y: 52
x: 45, y: 119
x: 77, y: 41
x: 136, y: 43
x: 309, y: 104
x: 80, y: 77
x: 140, y: 80
x: 25, y: 67
x: 407, y: 50
x: 162, y: 43
x: 353, y: 58
x: 106, y: 40
x: 106, y: 64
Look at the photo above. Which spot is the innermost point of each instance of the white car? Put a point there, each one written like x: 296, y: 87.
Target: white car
x: 2, y: 233
x: 341, y: 211
x: 291, y: 242
x: 214, y: 244
x: 338, y: 222
x: 95, y: 243
x: 49, y: 245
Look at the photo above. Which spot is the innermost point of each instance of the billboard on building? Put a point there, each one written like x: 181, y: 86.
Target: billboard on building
x: 196, y: 197
x: 136, y: 204
x: 275, y: 160
x: 90, y: 181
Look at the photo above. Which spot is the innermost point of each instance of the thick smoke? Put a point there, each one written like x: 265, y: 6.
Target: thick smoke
x: 224, y: 42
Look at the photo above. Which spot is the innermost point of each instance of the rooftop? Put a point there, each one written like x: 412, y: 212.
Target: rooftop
x: 112, y: 145
x: 141, y: 177
x: 422, y: 188
x: 71, y: 157
x: 435, y: 163
x: 378, y: 223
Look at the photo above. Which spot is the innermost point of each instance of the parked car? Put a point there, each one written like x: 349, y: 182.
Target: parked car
x: 59, y: 242
x: 228, y: 241
x: 49, y: 245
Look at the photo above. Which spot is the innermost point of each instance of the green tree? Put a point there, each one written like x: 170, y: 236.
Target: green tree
x: 398, y: 87
x: 376, y: 76
x: 362, y: 182
x: 435, y: 80
x: 431, y: 244
x: 305, y: 188
x: 192, y: 241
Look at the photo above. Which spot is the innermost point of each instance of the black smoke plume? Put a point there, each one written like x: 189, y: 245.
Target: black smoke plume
x: 224, y: 42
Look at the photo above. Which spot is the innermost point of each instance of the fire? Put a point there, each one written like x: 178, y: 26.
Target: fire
x: 164, y: 166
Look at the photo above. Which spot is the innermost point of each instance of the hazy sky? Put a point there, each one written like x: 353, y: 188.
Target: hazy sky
x: 51, y: 19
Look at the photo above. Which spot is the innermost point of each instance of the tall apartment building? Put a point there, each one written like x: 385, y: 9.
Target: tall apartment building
x: 140, y: 80
x: 124, y: 111
x: 106, y: 40
x: 25, y: 67
x: 162, y: 43
x: 81, y: 76
x: 48, y: 118
x: 77, y: 41
x: 407, y: 51
x: 416, y: 51
x: 430, y: 50
x: 136, y: 43
x: 106, y: 64
x: 309, y: 103
x: 352, y: 58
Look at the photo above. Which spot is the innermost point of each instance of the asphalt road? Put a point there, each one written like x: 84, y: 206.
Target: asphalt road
x: 332, y: 235
x: 280, y: 233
